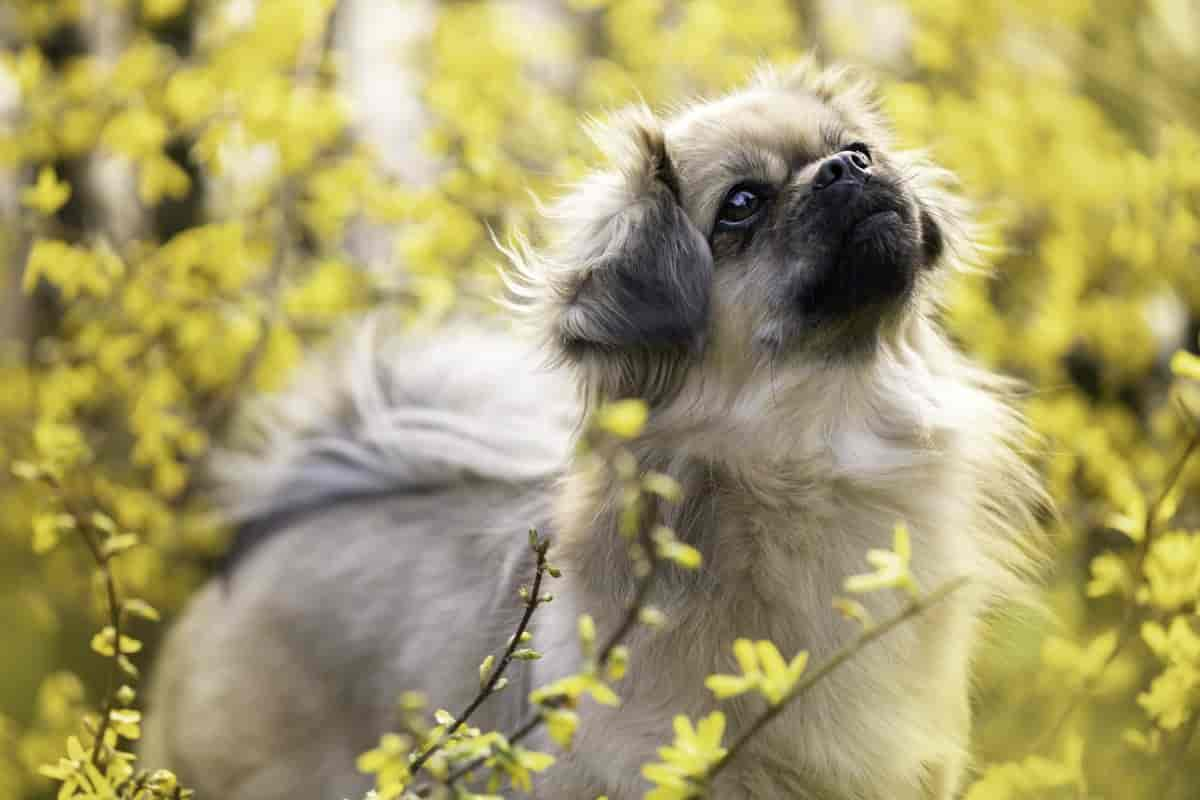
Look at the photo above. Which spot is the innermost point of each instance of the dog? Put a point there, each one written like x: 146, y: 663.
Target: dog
x: 765, y: 271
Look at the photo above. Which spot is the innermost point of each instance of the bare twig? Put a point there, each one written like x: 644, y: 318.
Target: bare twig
x: 115, y: 619
x: 645, y: 583
x: 1185, y: 743
x: 913, y: 608
x: 532, y: 601
x: 642, y: 591
x: 216, y: 414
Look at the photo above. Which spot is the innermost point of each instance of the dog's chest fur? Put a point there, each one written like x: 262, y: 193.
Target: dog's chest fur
x: 780, y: 526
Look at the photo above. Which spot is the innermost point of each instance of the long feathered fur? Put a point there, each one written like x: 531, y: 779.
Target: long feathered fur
x: 792, y: 467
x: 378, y: 412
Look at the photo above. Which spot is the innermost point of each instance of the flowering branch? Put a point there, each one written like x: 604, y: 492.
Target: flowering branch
x: 649, y: 544
x: 60, y: 451
x: 914, y: 607
x: 493, y: 674
x: 115, y: 620
x: 1129, y: 623
x: 633, y: 614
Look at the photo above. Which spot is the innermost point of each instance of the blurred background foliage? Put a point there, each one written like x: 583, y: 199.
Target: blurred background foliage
x: 193, y: 191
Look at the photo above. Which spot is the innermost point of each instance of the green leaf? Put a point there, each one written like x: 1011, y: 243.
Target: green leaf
x: 662, y: 485
x: 526, y: 654
x: 115, y: 545
x: 561, y: 724
x: 140, y: 608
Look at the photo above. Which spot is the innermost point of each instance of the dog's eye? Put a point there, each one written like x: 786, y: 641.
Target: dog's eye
x: 741, y: 206
x: 861, y: 147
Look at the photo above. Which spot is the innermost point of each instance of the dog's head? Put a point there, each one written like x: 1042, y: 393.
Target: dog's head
x: 773, y: 226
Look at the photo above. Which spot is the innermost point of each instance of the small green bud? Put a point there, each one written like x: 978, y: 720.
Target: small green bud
x: 140, y: 608
x: 163, y: 781
x: 26, y: 471
x: 618, y: 663
x: 662, y: 485
x: 412, y: 701
x: 485, y: 669
x: 652, y: 617
x: 587, y: 629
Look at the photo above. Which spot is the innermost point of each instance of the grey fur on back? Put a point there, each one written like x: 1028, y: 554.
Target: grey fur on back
x: 382, y: 504
x: 400, y: 573
x: 381, y: 413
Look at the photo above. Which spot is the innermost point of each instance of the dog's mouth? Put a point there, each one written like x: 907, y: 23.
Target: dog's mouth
x: 880, y: 240
x: 873, y: 223
x: 869, y: 261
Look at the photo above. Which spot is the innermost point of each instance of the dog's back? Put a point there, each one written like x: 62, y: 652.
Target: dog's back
x: 381, y: 509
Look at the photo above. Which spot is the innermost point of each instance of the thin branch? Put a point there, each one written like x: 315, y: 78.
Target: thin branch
x: 632, y: 614
x: 532, y: 601
x: 115, y: 619
x: 306, y: 73
x: 1129, y: 622
x: 642, y: 592
x: 216, y: 414
x: 1185, y: 743
x: 113, y: 597
x: 913, y: 608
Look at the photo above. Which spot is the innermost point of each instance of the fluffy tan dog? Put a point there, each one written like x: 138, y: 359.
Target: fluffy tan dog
x: 764, y: 271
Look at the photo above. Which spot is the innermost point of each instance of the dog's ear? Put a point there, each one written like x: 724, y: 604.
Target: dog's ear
x: 628, y: 269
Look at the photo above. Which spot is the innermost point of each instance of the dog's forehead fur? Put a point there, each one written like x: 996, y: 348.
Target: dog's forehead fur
x: 763, y: 133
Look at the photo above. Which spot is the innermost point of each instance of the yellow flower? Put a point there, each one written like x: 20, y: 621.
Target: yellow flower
x: 1171, y: 698
x: 1172, y: 571
x: 685, y: 763
x: 163, y: 10
x: 1081, y: 664
x: 1110, y: 575
x: 161, y: 177
x: 574, y: 687
x: 1186, y: 365
x: 389, y: 763
x: 136, y: 133
x: 763, y: 670
x: 1175, y: 644
x: 49, y: 194
x: 891, y: 567
x: 46, y: 529
x: 1018, y: 779
x: 561, y: 725
x: 624, y: 419
x: 672, y: 549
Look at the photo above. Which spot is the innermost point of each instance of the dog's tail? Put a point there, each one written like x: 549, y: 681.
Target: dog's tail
x: 379, y: 412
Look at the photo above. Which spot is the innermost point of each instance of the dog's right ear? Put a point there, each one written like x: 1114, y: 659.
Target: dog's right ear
x: 627, y: 269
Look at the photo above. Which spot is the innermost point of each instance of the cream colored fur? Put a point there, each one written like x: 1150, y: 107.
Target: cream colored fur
x: 417, y: 467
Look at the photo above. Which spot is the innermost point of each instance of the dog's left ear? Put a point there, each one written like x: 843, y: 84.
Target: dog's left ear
x: 629, y: 270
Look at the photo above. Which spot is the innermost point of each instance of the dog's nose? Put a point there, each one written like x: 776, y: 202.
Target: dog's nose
x: 849, y: 165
